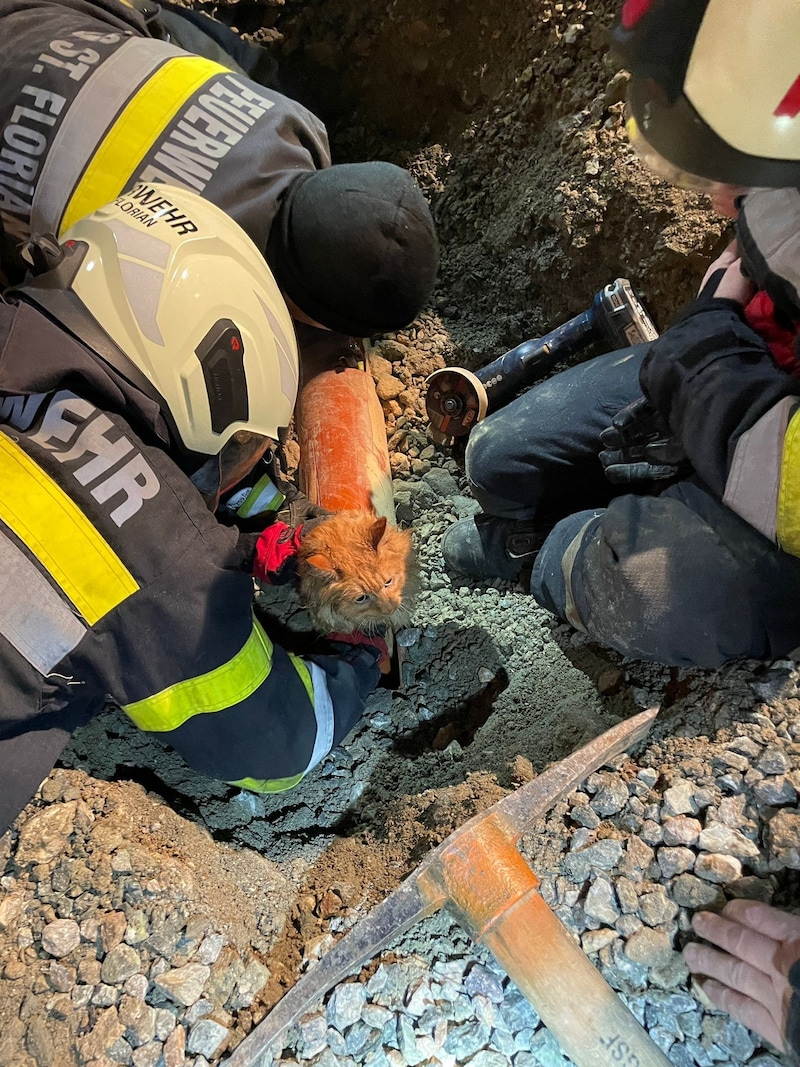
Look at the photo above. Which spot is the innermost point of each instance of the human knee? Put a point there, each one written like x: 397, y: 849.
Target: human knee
x: 550, y: 577
x: 501, y: 482
x: 485, y: 457
x: 650, y: 579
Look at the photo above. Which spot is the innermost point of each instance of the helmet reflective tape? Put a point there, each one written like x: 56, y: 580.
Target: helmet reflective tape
x: 286, y: 346
x: 189, y: 299
x: 632, y: 11
x: 737, y: 43
x: 141, y: 245
x: 52, y: 293
x: 143, y: 287
x: 142, y: 275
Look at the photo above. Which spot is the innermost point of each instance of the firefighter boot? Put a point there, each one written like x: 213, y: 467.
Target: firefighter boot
x: 488, y: 547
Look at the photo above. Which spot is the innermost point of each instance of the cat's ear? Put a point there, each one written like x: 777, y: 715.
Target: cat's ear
x: 377, y: 530
x: 321, y: 563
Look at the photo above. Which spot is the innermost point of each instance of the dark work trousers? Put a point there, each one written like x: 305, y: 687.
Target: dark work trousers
x: 665, y: 574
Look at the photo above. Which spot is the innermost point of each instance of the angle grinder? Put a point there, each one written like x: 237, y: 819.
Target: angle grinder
x: 457, y: 399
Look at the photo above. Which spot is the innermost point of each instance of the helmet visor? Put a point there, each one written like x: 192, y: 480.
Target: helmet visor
x: 672, y: 172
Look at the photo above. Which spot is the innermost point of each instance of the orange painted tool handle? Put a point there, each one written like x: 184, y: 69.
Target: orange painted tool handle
x: 493, y: 893
x: 344, y: 458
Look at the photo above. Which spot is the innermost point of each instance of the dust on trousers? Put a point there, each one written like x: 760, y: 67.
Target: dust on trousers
x: 676, y: 577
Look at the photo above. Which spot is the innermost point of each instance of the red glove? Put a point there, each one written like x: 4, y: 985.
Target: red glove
x: 275, y: 559
x: 368, y: 640
x: 760, y: 316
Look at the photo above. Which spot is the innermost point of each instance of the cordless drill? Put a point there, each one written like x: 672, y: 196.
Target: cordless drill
x: 457, y: 399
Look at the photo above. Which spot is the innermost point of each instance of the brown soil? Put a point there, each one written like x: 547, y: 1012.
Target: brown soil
x: 509, y: 113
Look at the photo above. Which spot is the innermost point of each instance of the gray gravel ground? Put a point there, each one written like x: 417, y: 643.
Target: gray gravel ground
x: 139, y: 928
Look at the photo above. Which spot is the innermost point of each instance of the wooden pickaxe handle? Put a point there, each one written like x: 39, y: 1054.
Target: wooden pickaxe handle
x: 478, y: 873
x: 494, y: 894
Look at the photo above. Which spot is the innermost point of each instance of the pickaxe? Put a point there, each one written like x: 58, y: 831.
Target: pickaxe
x: 480, y: 876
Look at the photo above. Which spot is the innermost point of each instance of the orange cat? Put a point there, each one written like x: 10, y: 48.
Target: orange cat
x: 356, y: 572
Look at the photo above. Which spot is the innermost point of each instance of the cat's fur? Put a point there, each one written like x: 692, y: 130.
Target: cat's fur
x: 357, y: 572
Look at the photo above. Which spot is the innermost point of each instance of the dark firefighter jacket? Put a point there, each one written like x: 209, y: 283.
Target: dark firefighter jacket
x: 89, y: 104
x: 117, y: 583
x: 735, y: 412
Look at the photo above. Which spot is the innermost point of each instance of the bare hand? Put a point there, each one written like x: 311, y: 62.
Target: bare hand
x: 748, y: 979
x: 735, y: 286
x: 722, y: 262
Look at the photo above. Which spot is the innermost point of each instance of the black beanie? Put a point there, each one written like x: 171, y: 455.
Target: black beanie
x: 354, y: 246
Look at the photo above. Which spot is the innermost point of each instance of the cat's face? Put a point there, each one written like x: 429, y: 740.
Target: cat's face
x: 356, y: 573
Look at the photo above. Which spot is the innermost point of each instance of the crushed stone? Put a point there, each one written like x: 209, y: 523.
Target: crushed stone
x: 149, y: 916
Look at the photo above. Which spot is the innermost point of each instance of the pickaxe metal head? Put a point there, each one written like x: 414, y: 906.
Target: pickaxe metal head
x: 480, y: 875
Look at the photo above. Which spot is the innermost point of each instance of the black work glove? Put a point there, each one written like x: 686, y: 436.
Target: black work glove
x: 637, y: 447
x: 298, y: 510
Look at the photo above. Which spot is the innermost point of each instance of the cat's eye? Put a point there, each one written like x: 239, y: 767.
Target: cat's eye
x: 387, y: 584
x: 362, y: 599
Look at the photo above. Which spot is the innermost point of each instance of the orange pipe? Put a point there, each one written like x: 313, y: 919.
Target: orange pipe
x: 344, y: 458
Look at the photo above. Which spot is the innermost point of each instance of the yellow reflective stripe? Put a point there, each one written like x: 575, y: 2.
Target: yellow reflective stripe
x: 305, y: 676
x: 135, y: 132
x: 280, y: 785
x: 221, y: 688
x: 57, y: 532
x: 788, y: 511
x: 269, y: 785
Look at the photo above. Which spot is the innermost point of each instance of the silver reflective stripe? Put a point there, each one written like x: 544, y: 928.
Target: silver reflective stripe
x: 567, y: 563
x: 285, y: 349
x: 755, y: 475
x: 143, y: 286
x: 33, y: 618
x: 323, y: 709
x: 93, y: 110
x: 140, y: 245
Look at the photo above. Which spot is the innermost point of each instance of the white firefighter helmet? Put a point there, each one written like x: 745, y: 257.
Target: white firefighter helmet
x: 192, y: 311
x: 714, y: 97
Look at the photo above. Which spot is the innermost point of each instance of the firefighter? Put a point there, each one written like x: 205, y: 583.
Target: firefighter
x: 700, y: 563
x: 91, y: 102
x: 142, y: 374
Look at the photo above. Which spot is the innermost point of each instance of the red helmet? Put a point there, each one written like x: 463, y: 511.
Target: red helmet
x: 714, y: 96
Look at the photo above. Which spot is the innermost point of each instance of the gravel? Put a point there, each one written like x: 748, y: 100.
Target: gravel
x: 108, y: 960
